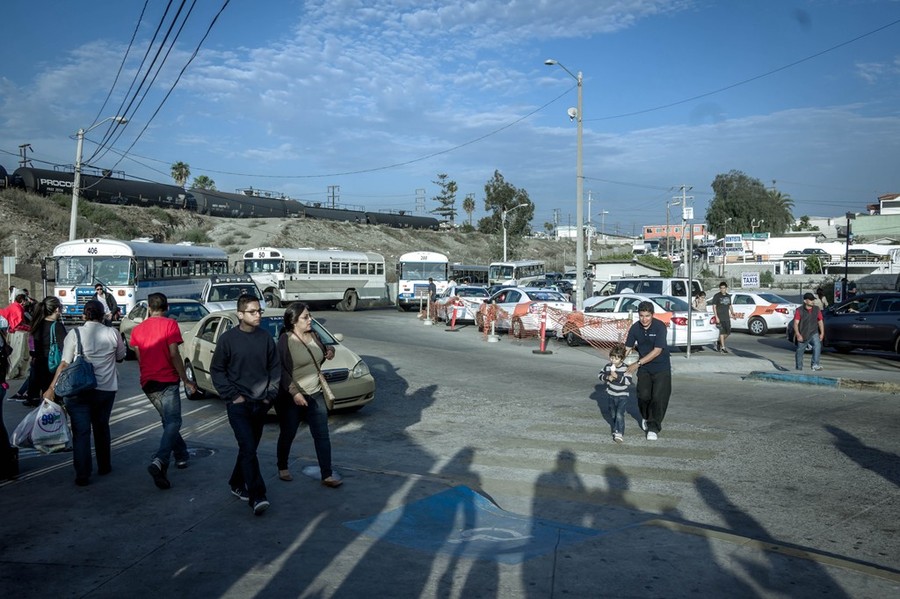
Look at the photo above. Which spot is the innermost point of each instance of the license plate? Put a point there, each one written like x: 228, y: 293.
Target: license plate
x: 700, y: 322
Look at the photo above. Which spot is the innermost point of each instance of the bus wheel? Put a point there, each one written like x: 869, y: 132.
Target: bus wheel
x: 272, y: 300
x: 350, y: 302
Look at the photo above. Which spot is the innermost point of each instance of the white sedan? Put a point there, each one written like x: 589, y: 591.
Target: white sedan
x: 466, y: 299
x: 759, y: 313
x: 608, y: 320
x: 519, y: 310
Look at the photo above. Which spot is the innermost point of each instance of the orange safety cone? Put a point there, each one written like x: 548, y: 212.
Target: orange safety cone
x: 452, y: 328
x: 543, y: 349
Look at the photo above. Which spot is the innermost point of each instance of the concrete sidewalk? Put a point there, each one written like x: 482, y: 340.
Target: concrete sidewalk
x: 754, y: 367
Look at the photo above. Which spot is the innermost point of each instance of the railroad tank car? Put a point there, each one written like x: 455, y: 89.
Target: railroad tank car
x: 338, y: 214
x: 238, y: 205
x: 104, y: 190
x: 400, y: 221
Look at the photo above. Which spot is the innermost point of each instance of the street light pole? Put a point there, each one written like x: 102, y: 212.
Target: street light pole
x: 846, y: 281
x: 579, y: 189
x: 503, y: 222
x: 76, y: 182
x: 753, y: 226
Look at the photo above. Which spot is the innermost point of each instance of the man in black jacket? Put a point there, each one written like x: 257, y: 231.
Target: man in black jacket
x: 110, y: 307
x: 246, y: 372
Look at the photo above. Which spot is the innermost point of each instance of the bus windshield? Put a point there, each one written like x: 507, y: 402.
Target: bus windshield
x: 87, y: 271
x: 416, y: 271
x: 501, y: 271
x: 271, y: 265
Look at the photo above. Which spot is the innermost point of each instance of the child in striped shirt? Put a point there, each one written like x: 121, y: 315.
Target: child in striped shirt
x: 617, y: 382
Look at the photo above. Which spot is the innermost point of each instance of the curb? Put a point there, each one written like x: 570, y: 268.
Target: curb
x: 841, y: 383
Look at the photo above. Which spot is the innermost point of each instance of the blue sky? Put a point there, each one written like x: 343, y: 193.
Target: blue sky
x: 378, y: 97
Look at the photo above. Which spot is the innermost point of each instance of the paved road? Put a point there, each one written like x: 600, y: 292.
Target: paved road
x: 754, y: 488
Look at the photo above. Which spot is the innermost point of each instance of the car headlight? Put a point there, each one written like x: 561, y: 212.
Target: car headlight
x: 361, y: 369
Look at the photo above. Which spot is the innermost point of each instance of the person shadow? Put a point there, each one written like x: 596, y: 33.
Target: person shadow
x: 778, y: 569
x: 882, y: 463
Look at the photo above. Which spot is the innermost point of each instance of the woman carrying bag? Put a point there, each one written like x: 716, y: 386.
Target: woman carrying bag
x: 49, y: 335
x: 90, y: 410
x: 301, y: 394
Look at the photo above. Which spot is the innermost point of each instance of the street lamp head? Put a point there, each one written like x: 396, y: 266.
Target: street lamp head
x: 120, y: 119
x: 549, y: 62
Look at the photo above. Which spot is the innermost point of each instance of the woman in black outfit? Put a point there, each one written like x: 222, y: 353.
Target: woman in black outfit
x: 46, y: 327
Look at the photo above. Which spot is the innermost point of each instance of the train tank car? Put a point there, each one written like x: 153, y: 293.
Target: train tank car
x: 400, y: 221
x: 104, y: 190
x: 238, y: 205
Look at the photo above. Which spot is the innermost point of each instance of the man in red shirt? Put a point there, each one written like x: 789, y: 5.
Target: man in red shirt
x: 18, y: 336
x: 155, y: 342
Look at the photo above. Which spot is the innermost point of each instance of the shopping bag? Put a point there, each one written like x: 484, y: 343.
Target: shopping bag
x: 51, y: 428
x: 21, y: 437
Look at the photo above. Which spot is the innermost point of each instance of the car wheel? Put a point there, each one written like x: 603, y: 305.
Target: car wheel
x: 572, y: 339
x: 757, y: 326
x: 272, y: 300
x: 516, y: 328
x: 189, y: 373
x: 897, y: 345
x: 129, y: 353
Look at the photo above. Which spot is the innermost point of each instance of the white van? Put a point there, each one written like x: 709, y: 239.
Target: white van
x: 675, y: 287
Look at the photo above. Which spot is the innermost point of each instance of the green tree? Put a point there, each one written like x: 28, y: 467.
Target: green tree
x: 203, y: 182
x: 181, y: 172
x: 469, y: 206
x: 446, y: 198
x: 500, y: 195
x: 744, y: 200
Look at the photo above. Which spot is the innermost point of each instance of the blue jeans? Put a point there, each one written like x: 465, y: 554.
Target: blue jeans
x: 617, y: 408
x: 90, y: 411
x: 247, y: 419
x: 167, y: 402
x: 289, y: 417
x: 816, y: 343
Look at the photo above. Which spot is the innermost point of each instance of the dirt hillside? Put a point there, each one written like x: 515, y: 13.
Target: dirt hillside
x: 34, y: 225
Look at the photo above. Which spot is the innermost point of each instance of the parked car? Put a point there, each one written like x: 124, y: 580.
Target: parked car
x: 608, y: 320
x: 868, y: 321
x: 864, y: 255
x: 793, y: 254
x: 465, y: 298
x: 759, y: 313
x: 347, y: 374
x: 186, y: 312
x: 519, y: 309
x: 818, y: 252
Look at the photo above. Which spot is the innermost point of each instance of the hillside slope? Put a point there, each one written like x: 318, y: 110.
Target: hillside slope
x: 34, y: 225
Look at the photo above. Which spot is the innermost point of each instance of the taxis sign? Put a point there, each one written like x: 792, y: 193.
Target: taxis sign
x: 749, y: 280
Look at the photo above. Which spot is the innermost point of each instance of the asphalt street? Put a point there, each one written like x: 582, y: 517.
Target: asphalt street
x: 487, y: 470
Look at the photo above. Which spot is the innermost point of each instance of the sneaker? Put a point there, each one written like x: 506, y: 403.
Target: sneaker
x: 816, y: 367
x: 724, y: 350
x: 617, y: 437
x: 651, y: 436
x: 240, y: 494
x: 158, y: 472
x: 181, y: 464
x: 260, y: 506
x: 643, y: 424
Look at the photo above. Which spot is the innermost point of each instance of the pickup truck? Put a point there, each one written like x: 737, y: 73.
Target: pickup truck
x: 221, y: 292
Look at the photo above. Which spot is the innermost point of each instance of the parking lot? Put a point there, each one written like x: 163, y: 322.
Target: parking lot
x: 485, y: 469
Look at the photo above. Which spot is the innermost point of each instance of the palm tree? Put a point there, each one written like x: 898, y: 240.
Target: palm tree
x: 469, y: 207
x: 203, y: 182
x: 181, y: 172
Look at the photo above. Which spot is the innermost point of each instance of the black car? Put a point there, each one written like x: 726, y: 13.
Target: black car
x: 794, y: 254
x: 867, y: 321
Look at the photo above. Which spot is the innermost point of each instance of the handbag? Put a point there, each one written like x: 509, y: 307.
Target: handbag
x: 327, y: 393
x: 55, y: 355
x: 78, y: 376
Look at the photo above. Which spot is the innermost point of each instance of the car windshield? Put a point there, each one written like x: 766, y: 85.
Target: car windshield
x: 274, y: 324
x: 231, y: 292
x: 546, y: 296
x: 773, y: 298
x: 186, y: 312
x: 471, y: 292
x: 669, y: 303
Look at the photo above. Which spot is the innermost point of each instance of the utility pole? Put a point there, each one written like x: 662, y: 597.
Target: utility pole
x: 687, y: 214
x: 334, y: 195
x: 24, y: 160
x: 556, y: 222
